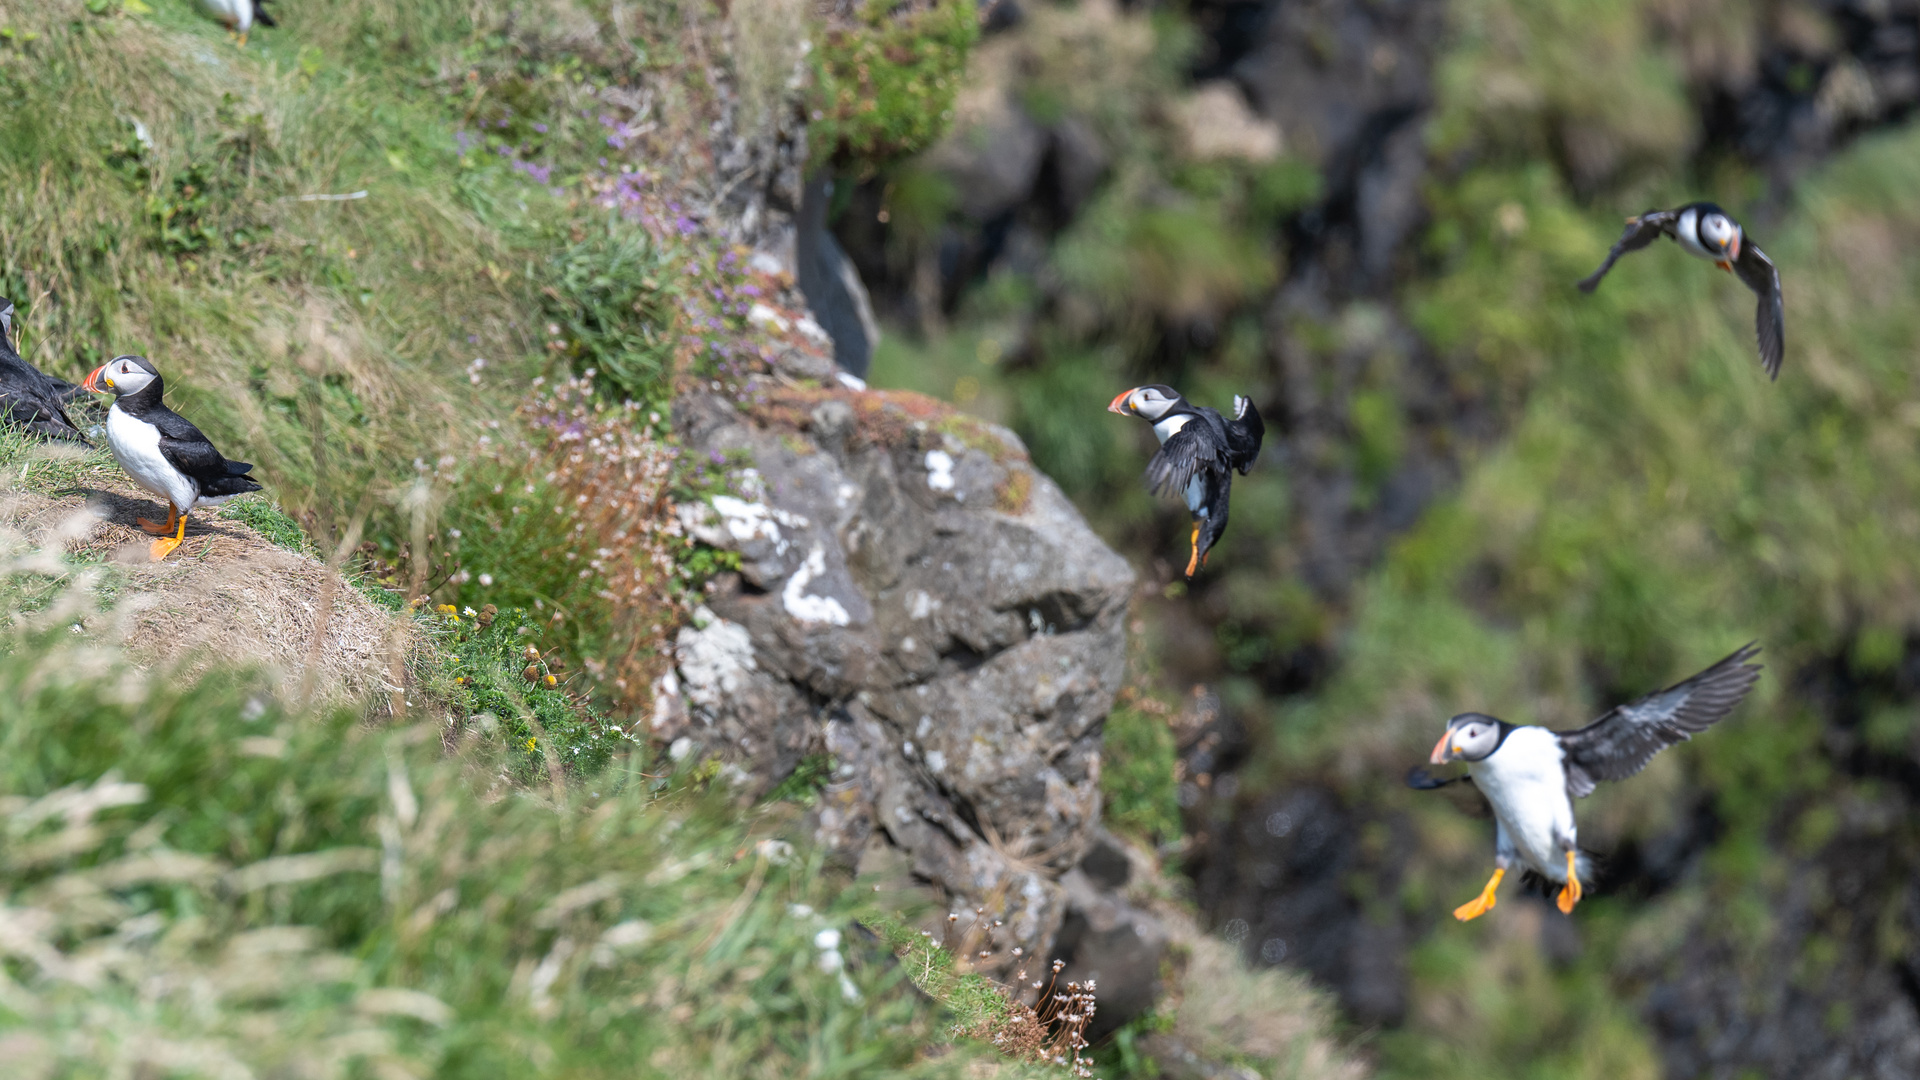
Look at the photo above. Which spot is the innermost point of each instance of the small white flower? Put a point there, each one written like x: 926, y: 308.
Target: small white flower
x: 486, y: 579
x: 827, y: 939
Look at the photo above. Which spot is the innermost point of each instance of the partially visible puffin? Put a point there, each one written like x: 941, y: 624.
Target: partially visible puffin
x: 1532, y: 775
x: 32, y: 399
x: 162, y: 451
x: 238, y: 16
x: 1199, y: 450
x: 1705, y: 231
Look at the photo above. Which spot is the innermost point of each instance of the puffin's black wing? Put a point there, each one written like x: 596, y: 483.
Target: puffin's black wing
x: 186, y: 449
x: 1770, y: 317
x: 1640, y: 232
x: 1621, y: 743
x: 1244, y: 434
x: 1193, y: 449
x: 260, y: 14
x: 1420, y: 779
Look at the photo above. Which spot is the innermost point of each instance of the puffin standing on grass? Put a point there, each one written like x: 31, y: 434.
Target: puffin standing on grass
x: 1705, y: 231
x: 162, y: 451
x: 30, y: 398
x: 1532, y: 775
x: 1199, y: 451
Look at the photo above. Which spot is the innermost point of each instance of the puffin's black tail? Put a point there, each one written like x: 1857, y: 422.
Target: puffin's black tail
x: 234, y: 483
x: 260, y: 14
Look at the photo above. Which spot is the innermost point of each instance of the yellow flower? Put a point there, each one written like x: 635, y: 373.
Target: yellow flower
x: 531, y: 743
x: 551, y: 681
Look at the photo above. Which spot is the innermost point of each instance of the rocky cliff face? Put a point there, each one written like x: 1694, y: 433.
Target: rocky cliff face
x: 920, y: 606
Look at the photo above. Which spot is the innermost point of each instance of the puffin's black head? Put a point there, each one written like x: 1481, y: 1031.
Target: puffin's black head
x: 1152, y: 401
x: 1470, y: 737
x: 1718, y: 233
x: 122, y: 375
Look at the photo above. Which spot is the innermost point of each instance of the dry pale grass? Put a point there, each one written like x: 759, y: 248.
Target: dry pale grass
x: 226, y: 598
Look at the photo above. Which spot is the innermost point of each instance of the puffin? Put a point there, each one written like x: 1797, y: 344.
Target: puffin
x: 1531, y: 775
x: 33, y: 400
x: 238, y: 16
x: 1199, y: 452
x: 162, y: 451
x: 1708, y: 232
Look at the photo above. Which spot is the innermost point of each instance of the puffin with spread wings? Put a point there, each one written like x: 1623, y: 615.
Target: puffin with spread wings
x: 162, y: 450
x: 1705, y: 231
x: 1531, y: 775
x: 1199, y: 452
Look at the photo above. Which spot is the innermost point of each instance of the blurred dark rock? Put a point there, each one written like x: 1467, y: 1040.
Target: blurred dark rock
x: 1113, y: 944
x: 831, y: 283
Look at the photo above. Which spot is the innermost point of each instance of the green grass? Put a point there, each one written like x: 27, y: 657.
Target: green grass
x: 276, y: 889
x: 275, y: 526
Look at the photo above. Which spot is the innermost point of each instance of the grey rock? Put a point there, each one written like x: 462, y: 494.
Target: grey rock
x: 917, y: 601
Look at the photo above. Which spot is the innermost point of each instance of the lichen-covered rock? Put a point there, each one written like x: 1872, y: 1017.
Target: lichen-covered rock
x: 917, y: 601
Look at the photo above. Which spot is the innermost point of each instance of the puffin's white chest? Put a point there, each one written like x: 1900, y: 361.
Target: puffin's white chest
x: 1687, y: 231
x: 1527, y: 786
x: 236, y: 15
x: 136, y: 446
x: 1167, y: 427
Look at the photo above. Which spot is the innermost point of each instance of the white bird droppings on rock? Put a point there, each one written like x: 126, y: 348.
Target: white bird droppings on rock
x: 814, y: 609
x: 713, y: 655
x: 939, y: 470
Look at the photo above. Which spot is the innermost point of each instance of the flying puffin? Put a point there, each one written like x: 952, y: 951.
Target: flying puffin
x: 1199, y: 449
x: 1704, y: 230
x: 162, y: 451
x: 30, y: 398
x: 238, y: 16
x: 1532, y: 775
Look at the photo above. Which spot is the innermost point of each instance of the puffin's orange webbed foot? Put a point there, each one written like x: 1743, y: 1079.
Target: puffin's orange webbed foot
x: 164, y: 546
x: 1483, y: 903
x: 1570, y: 894
x: 154, y: 527
x: 1193, y: 560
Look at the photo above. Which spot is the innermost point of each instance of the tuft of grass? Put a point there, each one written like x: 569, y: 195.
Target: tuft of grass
x: 276, y: 891
x: 493, y: 675
x: 1138, y: 755
x: 275, y: 525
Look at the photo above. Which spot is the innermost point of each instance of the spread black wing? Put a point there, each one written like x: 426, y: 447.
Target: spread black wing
x: 186, y: 449
x: 1770, y: 317
x: 1640, y: 232
x: 1621, y: 743
x: 1245, y: 432
x: 1194, y: 449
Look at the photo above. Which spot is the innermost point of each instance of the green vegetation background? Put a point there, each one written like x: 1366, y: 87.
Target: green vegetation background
x: 1651, y: 502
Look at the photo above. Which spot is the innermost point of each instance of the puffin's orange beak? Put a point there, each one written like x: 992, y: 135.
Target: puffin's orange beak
x: 1119, y: 404
x: 1439, y: 756
x: 91, y: 383
x: 1733, y: 250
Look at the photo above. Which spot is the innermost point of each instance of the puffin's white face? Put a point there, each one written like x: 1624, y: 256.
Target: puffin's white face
x: 1469, y: 737
x: 1720, y: 235
x: 1151, y: 402
x: 122, y: 375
